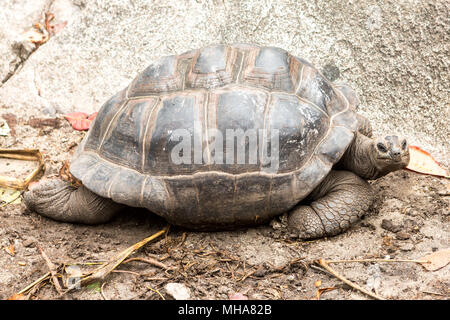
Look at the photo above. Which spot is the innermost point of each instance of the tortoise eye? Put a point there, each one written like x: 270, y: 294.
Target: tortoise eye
x: 381, y: 147
x: 404, y: 145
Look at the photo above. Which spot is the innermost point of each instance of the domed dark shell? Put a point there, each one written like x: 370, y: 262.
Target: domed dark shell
x: 245, y: 93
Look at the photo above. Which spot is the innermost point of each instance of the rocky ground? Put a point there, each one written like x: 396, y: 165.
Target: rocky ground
x: 395, y: 55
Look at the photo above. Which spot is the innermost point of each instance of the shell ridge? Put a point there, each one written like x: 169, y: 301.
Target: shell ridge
x: 113, y: 120
x: 205, y: 128
x: 241, y: 65
x: 148, y: 124
x: 141, y: 195
x: 112, y: 183
x: 266, y: 128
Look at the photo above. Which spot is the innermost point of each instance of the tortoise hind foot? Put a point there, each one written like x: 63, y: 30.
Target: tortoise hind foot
x: 337, y: 203
x: 57, y: 200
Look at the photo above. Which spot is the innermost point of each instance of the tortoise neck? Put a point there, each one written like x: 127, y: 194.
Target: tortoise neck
x: 358, y: 159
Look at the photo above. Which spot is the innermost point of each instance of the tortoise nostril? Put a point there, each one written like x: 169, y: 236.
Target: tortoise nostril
x: 395, y: 154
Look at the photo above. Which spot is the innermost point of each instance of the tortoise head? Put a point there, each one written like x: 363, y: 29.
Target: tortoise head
x: 390, y: 153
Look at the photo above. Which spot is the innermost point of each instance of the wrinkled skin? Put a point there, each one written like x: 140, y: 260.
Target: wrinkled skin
x: 344, y: 196
x: 58, y: 200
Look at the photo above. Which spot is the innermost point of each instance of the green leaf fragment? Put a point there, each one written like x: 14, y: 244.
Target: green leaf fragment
x: 95, y: 286
x: 10, y: 196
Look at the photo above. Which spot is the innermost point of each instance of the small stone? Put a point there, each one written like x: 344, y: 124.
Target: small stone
x: 407, y: 247
x: 28, y: 243
x: 178, y: 291
x: 402, y: 236
x: 388, y: 225
x: 368, y: 225
x: 391, y: 249
x: 223, y: 289
x: 260, y: 272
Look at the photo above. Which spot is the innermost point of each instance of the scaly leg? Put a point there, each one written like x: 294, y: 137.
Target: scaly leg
x: 338, y: 202
x: 56, y: 199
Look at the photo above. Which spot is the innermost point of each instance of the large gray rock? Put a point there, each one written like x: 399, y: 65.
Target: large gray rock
x: 16, y: 16
x: 395, y: 55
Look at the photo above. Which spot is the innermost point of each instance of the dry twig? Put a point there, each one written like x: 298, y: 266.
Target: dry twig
x: 98, y: 274
x: 377, y: 260
x: 323, y: 263
x: 53, y: 270
x: 101, y: 291
x: 35, y: 283
x: 151, y: 261
x: 154, y: 290
x: 101, y: 272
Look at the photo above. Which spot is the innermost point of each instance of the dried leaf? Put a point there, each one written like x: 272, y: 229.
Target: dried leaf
x: 37, y: 34
x: 322, y: 291
x: 80, y: 120
x: 92, y: 116
x: 237, y: 296
x: 17, y: 297
x: 10, y: 250
x: 436, y: 260
x: 65, y: 174
x: 74, y: 116
x: 54, y: 29
x: 41, y: 33
x: 48, y: 17
x: 82, y: 125
x: 422, y: 162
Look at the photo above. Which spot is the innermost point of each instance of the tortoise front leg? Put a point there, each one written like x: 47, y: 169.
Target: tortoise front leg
x: 337, y: 203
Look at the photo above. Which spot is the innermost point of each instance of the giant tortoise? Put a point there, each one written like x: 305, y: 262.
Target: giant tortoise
x: 227, y: 136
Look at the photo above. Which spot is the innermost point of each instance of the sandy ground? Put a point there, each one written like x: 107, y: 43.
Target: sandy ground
x: 409, y: 220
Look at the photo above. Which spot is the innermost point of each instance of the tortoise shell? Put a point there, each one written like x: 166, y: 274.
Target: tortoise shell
x: 127, y: 155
